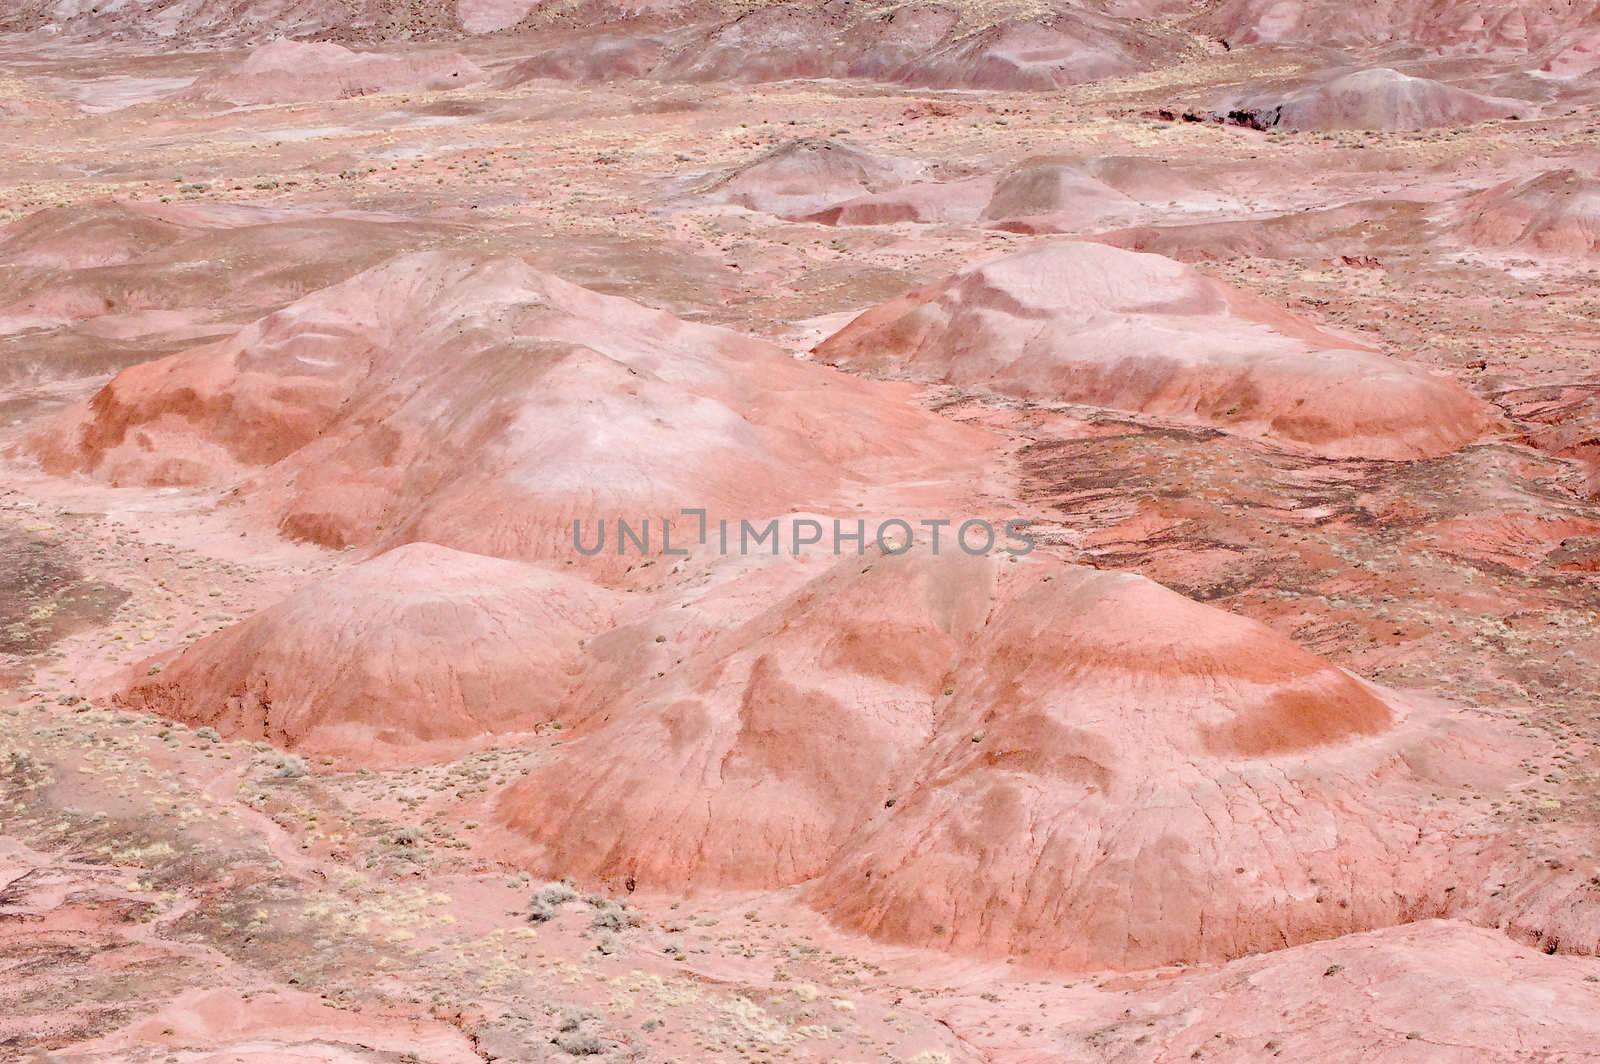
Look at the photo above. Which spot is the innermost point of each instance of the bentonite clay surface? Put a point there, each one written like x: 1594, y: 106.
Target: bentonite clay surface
x: 323, y: 738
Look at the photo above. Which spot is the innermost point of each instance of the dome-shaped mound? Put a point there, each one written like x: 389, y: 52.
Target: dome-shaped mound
x: 1556, y: 212
x: 1063, y: 195
x: 1086, y: 323
x: 1061, y: 188
x: 414, y: 653
x: 1124, y: 777
x: 1513, y: 27
x: 591, y: 59
x: 1038, y: 54
x: 1009, y: 45
x: 924, y: 201
x: 1363, y: 227
x: 1379, y: 98
x: 770, y: 42
x: 1025, y: 759
x: 805, y: 175
x: 103, y: 260
x: 1370, y: 997
x: 749, y: 764
x: 87, y: 236
x: 288, y: 71
x: 486, y: 406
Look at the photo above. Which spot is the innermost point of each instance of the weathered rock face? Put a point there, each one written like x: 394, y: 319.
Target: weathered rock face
x: 489, y: 16
x: 1086, y: 323
x: 1575, y: 56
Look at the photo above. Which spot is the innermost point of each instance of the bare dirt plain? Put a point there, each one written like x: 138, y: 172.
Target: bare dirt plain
x: 320, y: 323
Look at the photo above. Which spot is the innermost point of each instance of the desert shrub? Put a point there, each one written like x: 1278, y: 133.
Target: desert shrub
x: 549, y: 899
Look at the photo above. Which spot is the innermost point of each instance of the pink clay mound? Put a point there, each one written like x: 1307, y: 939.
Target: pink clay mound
x: 288, y: 71
x: 967, y: 45
x: 741, y: 782
x: 1463, y: 26
x: 995, y: 734
x: 1380, y: 98
x: 407, y: 654
x: 1045, y: 54
x: 128, y: 266
x: 105, y: 235
x: 802, y: 175
x: 1086, y: 323
x: 1088, y: 794
x: 485, y: 405
x: 1060, y: 195
x: 923, y: 202
x: 1557, y: 212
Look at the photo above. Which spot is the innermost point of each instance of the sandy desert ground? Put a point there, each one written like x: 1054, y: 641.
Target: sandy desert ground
x: 1276, y: 323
